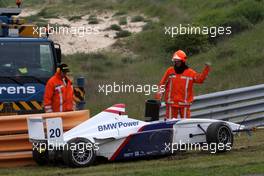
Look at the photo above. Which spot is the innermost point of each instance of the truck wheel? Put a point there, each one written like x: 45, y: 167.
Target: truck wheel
x: 40, y: 155
x: 79, y: 152
x: 219, y: 134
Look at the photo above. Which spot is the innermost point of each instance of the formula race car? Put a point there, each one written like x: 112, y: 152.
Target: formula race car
x: 113, y: 135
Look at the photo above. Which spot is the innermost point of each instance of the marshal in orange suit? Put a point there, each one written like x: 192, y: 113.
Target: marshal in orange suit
x: 178, y: 82
x: 58, y: 96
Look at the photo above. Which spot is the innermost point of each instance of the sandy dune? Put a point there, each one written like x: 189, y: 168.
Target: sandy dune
x: 90, y: 37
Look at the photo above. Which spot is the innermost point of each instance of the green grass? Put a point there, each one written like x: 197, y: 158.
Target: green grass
x: 99, y: 69
x: 115, y: 27
x: 233, y: 59
x: 137, y: 18
x: 75, y: 18
x: 120, y: 13
x: 122, y: 34
x: 93, y: 19
x: 247, y: 158
x: 122, y: 21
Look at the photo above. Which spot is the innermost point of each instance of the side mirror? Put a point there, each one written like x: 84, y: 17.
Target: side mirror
x: 58, y: 52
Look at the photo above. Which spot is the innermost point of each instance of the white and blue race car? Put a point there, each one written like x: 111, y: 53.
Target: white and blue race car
x: 115, y: 136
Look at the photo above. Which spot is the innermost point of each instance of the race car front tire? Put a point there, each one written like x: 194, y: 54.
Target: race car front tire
x: 79, y: 152
x: 40, y: 154
x: 220, y: 134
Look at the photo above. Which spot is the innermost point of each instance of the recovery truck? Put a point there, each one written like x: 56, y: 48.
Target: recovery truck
x: 27, y: 61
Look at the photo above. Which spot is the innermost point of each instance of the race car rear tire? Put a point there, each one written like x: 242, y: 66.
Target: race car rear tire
x: 39, y: 156
x: 220, y: 134
x: 78, y: 153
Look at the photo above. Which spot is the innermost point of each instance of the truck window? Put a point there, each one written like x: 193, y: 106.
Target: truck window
x: 26, y: 59
x: 46, y: 60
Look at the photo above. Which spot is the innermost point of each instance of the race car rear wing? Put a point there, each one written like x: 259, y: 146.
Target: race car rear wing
x: 42, y: 130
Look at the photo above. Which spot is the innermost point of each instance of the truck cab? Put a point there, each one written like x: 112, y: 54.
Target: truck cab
x: 26, y: 63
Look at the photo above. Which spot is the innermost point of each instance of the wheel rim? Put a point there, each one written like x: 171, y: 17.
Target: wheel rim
x: 82, y: 156
x: 224, y: 135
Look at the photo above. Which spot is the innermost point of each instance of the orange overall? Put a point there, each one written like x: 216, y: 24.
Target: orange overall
x: 179, y: 90
x: 58, y: 95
